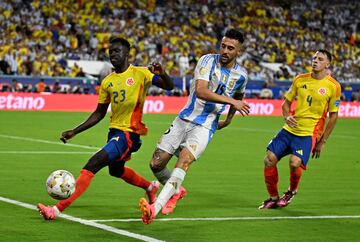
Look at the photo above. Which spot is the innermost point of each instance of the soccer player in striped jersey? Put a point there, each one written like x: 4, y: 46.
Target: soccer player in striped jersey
x: 317, y: 94
x: 125, y: 89
x: 218, y: 81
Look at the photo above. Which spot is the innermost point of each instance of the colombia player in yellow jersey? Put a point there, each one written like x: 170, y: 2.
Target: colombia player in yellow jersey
x: 317, y: 94
x: 125, y: 89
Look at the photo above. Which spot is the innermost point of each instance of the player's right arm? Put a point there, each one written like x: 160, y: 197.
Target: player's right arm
x: 93, y: 119
x: 289, y: 119
x: 286, y: 106
x: 203, y: 92
x: 161, y: 78
x: 97, y: 115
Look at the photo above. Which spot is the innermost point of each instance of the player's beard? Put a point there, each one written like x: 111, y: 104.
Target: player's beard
x: 224, y: 60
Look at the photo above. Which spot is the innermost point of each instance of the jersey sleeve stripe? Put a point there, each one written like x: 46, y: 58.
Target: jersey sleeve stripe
x: 319, y: 127
x: 205, y: 61
x: 135, y: 120
x: 337, y: 86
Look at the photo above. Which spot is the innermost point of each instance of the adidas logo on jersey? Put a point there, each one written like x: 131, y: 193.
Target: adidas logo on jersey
x: 304, y: 86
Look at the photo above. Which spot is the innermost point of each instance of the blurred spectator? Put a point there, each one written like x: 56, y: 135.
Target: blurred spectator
x: 15, y: 86
x: 266, y: 93
x: 184, y: 64
x: 36, y: 39
x: 56, y: 87
x: 355, y: 96
x: 76, y: 89
x: 40, y: 86
x: 4, y: 67
x: 27, y: 88
x: 177, y: 92
x: 80, y: 73
x: 155, y: 91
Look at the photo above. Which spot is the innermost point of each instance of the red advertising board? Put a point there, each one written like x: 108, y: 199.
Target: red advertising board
x: 169, y: 105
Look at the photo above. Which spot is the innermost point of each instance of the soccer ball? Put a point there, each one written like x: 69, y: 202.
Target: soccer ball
x: 60, y: 184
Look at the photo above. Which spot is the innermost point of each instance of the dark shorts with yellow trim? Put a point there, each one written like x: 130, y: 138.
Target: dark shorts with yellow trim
x: 286, y: 143
x: 121, y: 144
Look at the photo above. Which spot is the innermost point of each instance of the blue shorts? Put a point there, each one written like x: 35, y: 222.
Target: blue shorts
x: 286, y: 143
x: 121, y: 144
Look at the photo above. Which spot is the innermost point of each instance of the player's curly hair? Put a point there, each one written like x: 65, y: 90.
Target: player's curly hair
x: 235, y: 34
x: 116, y: 39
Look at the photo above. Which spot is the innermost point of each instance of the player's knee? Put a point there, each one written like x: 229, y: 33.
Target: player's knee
x: 159, y: 160
x: 157, y: 165
x: 269, y: 161
x: 295, y: 162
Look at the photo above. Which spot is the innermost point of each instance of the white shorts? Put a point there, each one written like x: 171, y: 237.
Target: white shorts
x: 183, y: 133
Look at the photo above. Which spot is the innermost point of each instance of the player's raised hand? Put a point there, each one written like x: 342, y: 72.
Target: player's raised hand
x: 242, y: 107
x: 66, y: 135
x: 156, y: 68
x: 291, y: 121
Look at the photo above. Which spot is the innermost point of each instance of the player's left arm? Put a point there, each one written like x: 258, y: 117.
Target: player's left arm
x: 334, y: 104
x: 329, y: 128
x: 231, y: 113
x: 161, y: 78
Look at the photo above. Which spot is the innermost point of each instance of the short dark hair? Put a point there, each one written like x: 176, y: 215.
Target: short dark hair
x: 235, y: 34
x: 327, y: 53
x: 116, y: 39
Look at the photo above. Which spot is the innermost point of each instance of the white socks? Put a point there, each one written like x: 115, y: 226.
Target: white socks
x: 57, y: 212
x: 171, y: 187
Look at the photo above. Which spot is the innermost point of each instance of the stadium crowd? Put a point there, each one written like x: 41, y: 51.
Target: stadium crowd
x: 38, y: 37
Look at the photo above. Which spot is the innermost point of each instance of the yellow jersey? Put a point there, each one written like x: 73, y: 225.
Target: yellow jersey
x: 126, y: 92
x: 315, y: 98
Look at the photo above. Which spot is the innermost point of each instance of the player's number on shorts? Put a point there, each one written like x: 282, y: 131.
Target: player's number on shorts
x: 122, y: 96
x: 309, y: 100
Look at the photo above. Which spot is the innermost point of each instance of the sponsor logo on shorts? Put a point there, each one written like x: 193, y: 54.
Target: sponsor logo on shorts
x: 337, y: 103
x: 300, y: 152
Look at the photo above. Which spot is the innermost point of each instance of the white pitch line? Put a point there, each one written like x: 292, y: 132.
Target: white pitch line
x: 46, y: 152
x: 47, y: 141
x: 87, y: 222
x: 235, y: 218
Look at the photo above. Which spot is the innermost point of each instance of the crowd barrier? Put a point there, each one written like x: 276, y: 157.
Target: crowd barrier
x: 162, y: 104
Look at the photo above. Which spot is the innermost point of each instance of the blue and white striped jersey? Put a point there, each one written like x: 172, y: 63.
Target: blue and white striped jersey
x: 221, y: 81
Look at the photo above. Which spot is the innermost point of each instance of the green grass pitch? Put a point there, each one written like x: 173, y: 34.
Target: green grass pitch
x: 226, y: 182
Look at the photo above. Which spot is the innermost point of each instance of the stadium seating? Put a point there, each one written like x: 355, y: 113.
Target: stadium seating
x: 38, y: 38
